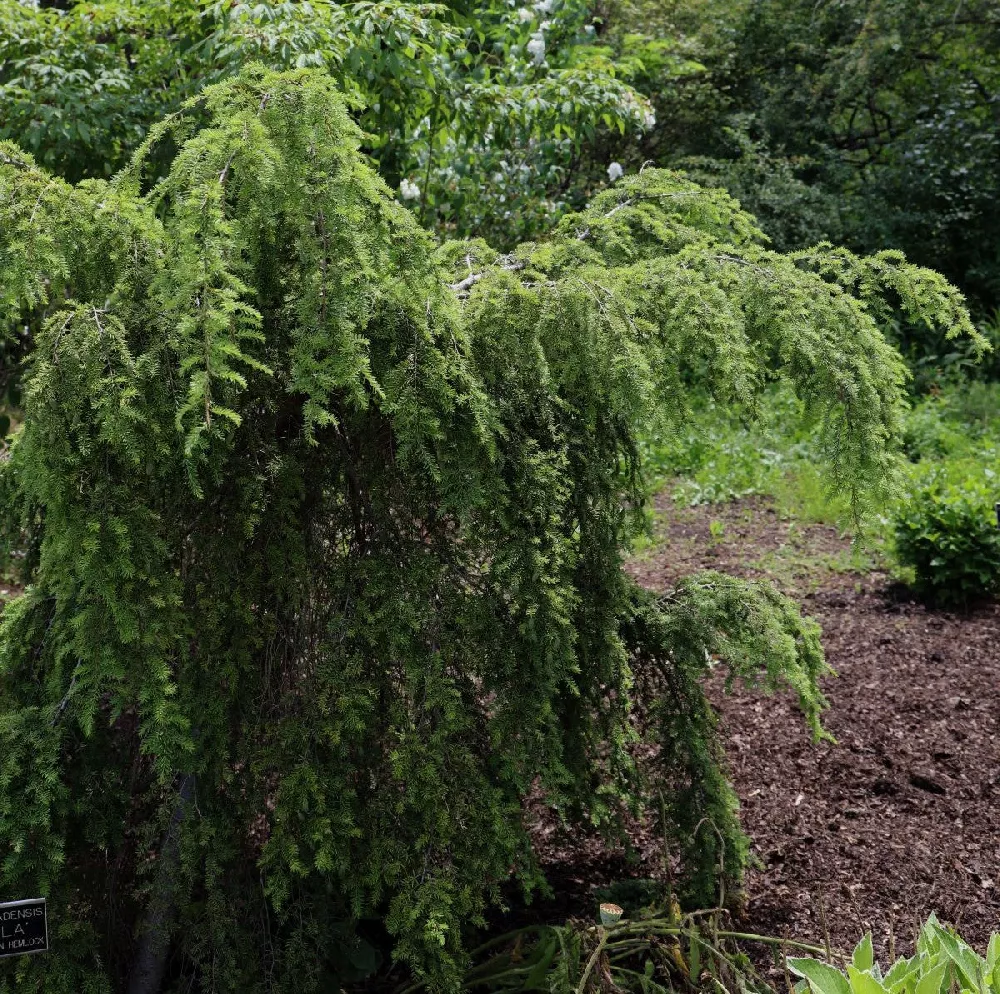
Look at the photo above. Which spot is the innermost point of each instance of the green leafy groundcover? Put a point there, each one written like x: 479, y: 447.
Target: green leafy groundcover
x: 941, y: 962
x: 322, y: 530
x: 659, y: 950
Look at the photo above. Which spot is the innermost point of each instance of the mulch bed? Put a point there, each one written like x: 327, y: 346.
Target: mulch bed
x: 901, y: 816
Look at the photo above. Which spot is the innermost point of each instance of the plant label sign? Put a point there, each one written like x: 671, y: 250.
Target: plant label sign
x: 24, y: 927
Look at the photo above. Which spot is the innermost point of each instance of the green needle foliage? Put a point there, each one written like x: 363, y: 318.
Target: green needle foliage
x: 323, y: 530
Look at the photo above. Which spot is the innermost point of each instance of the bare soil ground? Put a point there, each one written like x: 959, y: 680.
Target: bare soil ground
x: 901, y: 816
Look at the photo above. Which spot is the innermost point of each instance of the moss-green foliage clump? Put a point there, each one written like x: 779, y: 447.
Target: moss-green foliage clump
x: 324, y: 530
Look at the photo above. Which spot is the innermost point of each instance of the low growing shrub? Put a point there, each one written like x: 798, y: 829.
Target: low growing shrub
x: 946, y: 532
x: 960, y: 421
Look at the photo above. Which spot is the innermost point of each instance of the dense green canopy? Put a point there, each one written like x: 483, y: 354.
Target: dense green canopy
x: 324, y: 530
x: 870, y: 122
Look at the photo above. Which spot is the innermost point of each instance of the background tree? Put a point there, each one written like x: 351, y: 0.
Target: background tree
x: 480, y: 113
x: 874, y: 123
x: 324, y: 529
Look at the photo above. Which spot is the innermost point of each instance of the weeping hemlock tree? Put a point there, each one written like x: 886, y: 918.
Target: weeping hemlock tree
x: 322, y: 532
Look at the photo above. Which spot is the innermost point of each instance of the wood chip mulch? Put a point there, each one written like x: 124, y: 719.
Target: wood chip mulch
x: 901, y: 816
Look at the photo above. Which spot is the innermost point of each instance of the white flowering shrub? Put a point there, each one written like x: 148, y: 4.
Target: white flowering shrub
x: 486, y: 113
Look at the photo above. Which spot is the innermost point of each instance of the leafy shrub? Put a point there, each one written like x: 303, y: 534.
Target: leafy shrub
x: 941, y: 962
x: 946, y: 532
x: 475, y: 133
x: 479, y: 114
x: 865, y: 117
x: 935, y: 358
x: 989, y: 328
x: 792, y: 211
x: 772, y: 450
x: 930, y: 432
x: 961, y: 420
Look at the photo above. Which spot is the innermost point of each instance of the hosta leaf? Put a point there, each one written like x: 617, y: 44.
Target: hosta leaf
x: 864, y: 955
x: 823, y: 979
x: 863, y: 982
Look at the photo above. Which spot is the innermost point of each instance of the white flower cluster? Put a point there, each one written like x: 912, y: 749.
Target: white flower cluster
x: 637, y: 110
x: 536, y: 45
x: 538, y: 9
x: 408, y: 190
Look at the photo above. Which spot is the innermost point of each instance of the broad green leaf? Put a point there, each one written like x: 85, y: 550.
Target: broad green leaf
x: 897, y: 972
x: 864, y: 955
x: 971, y: 967
x: 863, y: 982
x: 823, y: 979
x: 933, y: 982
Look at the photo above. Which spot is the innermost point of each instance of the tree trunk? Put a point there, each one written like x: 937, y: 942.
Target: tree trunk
x: 157, y: 927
